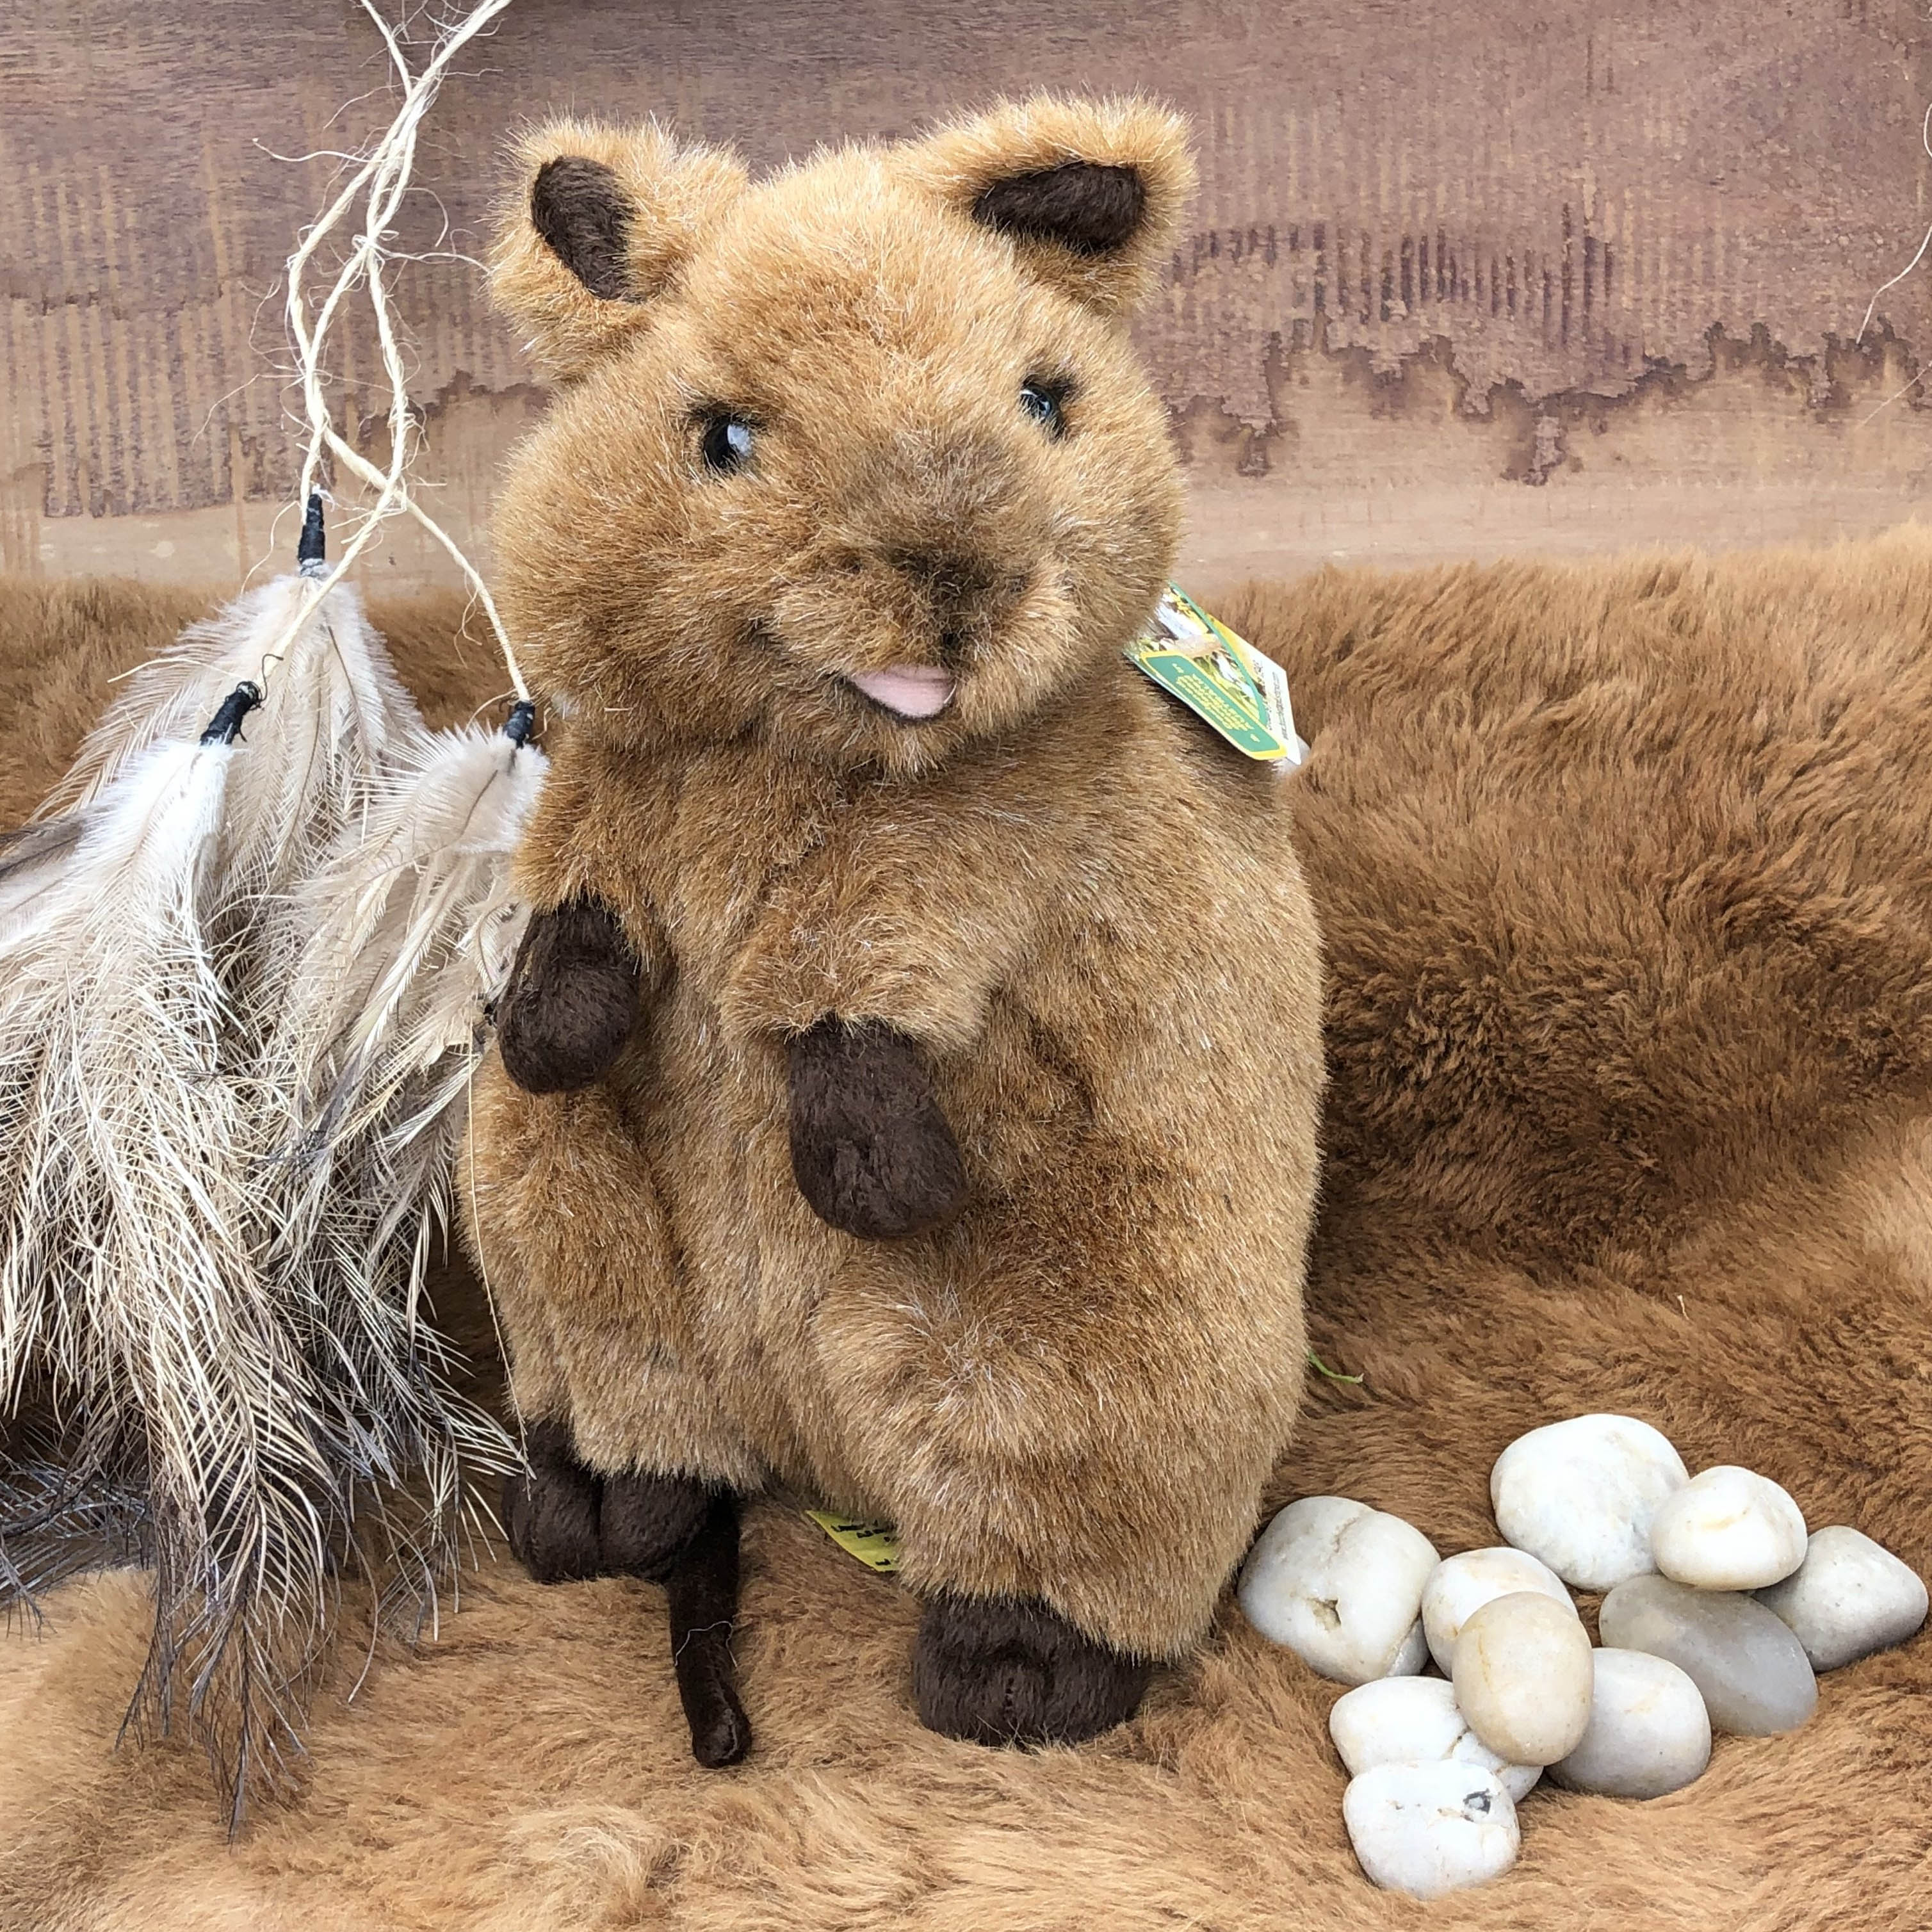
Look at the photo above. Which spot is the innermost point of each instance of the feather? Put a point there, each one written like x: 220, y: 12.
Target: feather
x: 33, y: 862
x: 58, y: 1522
x: 128, y: 1279
x: 333, y: 709
x: 409, y: 931
x: 336, y: 651
x: 243, y: 982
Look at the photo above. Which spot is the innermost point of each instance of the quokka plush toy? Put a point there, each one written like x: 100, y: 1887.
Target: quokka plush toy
x: 907, y: 1091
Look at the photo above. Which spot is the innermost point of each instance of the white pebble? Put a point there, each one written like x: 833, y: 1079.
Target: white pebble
x: 1413, y: 1654
x: 1727, y: 1529
x: 1426, y: 1829
x: 1750, y: 1668
x: 1413, y: 1720
x: 1460, y: 1585
x: 1580, y: 1495
x: 1848, y: 1597
x: 1523, y: 1677
x: 1649, y: 1731
x: 1340, y: 1584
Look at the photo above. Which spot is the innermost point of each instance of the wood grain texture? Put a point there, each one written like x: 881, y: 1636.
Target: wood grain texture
x: 1444, y: 254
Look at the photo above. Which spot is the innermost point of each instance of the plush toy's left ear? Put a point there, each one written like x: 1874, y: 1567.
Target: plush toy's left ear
x: 1090, y: 192
x: 600, y: 221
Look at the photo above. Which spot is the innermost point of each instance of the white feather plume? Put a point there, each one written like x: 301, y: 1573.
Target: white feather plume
x: 128, y: 1288
x: 238, y: 1404
x: 241, y: 990
x: 331, y: 691
x: 409, y: 929
x: 410, y: 933
x: 35, y: 864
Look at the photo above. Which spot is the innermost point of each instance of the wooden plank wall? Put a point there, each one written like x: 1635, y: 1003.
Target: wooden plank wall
x: 1466, y: 276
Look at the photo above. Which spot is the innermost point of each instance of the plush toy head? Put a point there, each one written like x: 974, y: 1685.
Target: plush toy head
x: 856, y: 463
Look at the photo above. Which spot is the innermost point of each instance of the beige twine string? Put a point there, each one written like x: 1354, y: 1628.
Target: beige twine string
x: 383, y: 178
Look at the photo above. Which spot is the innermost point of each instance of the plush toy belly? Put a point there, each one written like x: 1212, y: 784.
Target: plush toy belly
x: 1018, y: 1270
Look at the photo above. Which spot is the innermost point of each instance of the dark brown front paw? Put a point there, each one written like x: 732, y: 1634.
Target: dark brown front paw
x: 571, y: 1000
x: 566, y: 1523
x: 994, y: 1671
x: 870, y: 1149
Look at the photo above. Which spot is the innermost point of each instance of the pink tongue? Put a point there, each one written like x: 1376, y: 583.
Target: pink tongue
x: 913, y: 690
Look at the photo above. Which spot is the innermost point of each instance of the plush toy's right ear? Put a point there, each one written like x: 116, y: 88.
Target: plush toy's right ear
x: 601, y: 221
x: 1090, y: 192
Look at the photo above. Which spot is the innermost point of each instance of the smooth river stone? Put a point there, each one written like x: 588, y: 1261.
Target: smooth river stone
x: 1728, y: 1529
x: 1649, y: 1733
x: 1413, y: 1654
x: 1579, y: 1495
x: 1426, y: 1829
x: 1414, y: 1721
x: 1340, y: 1584
x: 1460, y: 1585
x: 1848, y: 1597
x: 1523, y: 1678
x: 1750, y: 1670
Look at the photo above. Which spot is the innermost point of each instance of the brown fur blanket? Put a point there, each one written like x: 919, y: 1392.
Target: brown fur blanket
x: 1625, y: 877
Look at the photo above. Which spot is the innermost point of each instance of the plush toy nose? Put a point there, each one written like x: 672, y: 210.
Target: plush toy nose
x: 964, y: 590
x: 954, y: 580
x: 962, y: 522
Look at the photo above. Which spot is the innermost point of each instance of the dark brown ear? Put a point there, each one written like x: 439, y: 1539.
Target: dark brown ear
x: 1091, y: 208
x: 600, y: 221
x: 1090, y: 192
x: 579, y: 209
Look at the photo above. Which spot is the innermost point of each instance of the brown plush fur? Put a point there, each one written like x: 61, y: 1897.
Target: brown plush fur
x: 1631, y: 852
x: 1624, y: 869
x: 964, y: 1158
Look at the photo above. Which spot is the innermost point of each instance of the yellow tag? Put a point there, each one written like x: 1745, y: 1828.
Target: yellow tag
x: 873, y: 1543
x: 1219, y: 677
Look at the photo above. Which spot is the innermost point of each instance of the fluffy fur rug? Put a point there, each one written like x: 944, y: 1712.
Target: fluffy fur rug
x: 1625, y: 872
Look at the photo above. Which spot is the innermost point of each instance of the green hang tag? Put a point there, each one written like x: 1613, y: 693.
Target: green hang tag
x: 1221, y: 678
x: 873, y: 1543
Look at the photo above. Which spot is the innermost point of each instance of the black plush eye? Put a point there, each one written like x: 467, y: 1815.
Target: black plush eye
x: 1043, y: 401
x: 726, y: 443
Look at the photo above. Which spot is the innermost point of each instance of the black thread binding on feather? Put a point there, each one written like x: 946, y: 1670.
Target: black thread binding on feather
x: 312, y: 547
x: 225, y: 727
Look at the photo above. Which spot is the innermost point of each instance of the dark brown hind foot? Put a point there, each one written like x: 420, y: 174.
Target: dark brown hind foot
x: 566, y: 1523
x: 997, y: 1671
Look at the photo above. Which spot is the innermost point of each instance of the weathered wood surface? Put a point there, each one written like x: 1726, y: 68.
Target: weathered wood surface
x: 1465, y: 275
